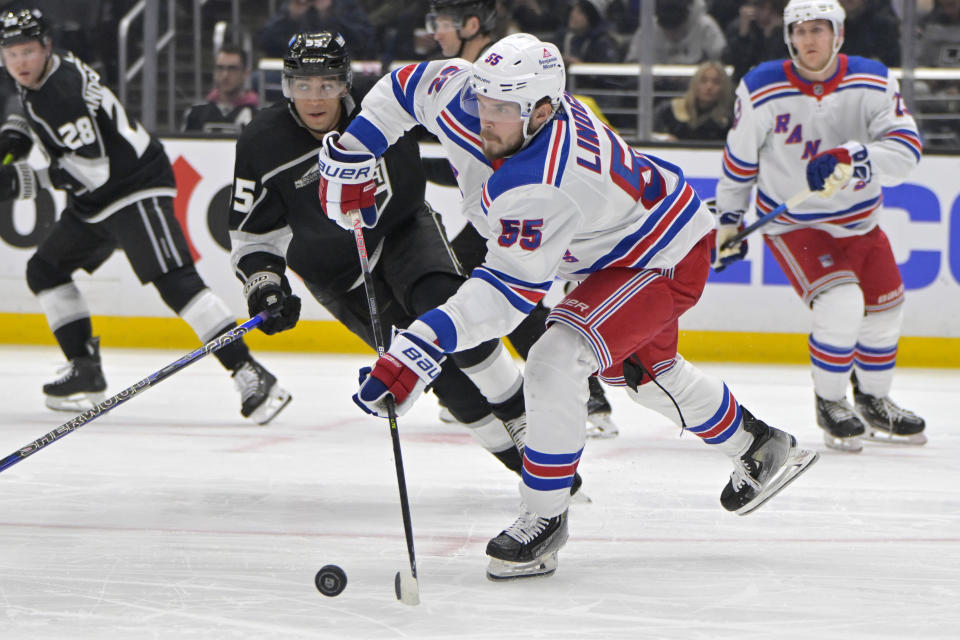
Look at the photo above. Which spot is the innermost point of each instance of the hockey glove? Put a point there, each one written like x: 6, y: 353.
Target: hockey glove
x: 346, y: 183
x: 830, y: 171
x: 18, y: 181
x: 403, y: 372
x: 727, y: 225
x: 267, y: 291
x: 15, y: 140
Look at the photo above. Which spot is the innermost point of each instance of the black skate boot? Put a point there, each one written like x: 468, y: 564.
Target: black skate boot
x: 517, y: 428
x: 842, y: 428
x: 599, y: 422
x: 770, y: 463
x: 886, y: 422
x: 81, y: 384
x: 262, y: 397
x: 527, y: 548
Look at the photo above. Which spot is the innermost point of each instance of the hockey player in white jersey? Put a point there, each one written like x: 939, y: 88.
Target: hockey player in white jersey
x: 837, y: 125
x: 556, y: 194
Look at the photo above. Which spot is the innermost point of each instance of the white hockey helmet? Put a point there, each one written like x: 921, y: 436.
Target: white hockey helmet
x: 520, y: 69
x: 804, y: 10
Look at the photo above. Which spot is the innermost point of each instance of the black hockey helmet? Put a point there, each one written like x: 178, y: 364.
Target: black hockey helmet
x: 320, y: 53
x: 23, y: 26
x: 460, y: 10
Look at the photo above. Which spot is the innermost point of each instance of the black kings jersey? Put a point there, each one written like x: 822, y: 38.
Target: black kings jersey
x: 110, y: 158
x: 275, y: 202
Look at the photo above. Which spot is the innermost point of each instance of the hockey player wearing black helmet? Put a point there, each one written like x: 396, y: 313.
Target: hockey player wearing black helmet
x: 277, y: 222
x: 462, y: 28
x: 120, y: 189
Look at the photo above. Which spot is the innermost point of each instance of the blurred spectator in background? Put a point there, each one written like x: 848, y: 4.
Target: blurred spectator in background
x: 462, y: 28
x: 396, y: 23
x: 939, y: 44
x: 703, y: 112
x: 684, y: 34
x: 539, y: 17
x: 587, y: 37
x: 754, y: 36
x: 872, y: 30
x: 346, y: 17
x: 725, y: 11
x: 231, y: 105
x: 623, y: 16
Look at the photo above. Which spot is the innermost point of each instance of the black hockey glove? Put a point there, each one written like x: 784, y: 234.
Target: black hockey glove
x: 15, y: 140
x: 267, y: 291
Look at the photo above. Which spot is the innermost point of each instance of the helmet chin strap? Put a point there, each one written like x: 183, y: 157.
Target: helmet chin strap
x: 528, y: 137
x: 796, y: 61
x: 464, y: 41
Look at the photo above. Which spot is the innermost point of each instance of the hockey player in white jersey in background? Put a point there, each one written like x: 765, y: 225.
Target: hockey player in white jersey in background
x: 796, y: 121
x: 556, y: 193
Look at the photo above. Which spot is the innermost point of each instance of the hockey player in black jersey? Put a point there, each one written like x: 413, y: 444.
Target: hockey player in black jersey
x: 120, y: 188
x: 463, y: 29
x: 277, y: 222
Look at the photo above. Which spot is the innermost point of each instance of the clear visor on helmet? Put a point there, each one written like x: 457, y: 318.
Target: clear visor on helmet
x: 489, y: 109
x: 441, y: 22
x: 315, y: 87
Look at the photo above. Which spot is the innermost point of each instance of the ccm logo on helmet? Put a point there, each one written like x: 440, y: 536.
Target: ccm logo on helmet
x: 344, y: 173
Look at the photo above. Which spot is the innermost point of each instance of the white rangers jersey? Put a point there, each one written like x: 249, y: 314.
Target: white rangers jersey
x: 575, y: 200
x: 781, y: 121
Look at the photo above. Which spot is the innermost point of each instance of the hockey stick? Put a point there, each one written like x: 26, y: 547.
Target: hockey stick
x: 110, y: 403
x: 766, y: 219
x: 407, y: 588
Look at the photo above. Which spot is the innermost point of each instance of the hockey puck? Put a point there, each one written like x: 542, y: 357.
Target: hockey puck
x: 331, y: 580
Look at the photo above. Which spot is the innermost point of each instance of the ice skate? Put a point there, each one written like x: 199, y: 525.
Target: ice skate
x: 842, y: 428
x: 771, y: 463
x: 262, y: 397
x: 600, y: 424
x: 886, y: 422
x: 81, y: 384
x: 527, y: 548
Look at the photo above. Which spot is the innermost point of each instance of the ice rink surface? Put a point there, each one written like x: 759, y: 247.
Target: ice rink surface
x: 169, y: 517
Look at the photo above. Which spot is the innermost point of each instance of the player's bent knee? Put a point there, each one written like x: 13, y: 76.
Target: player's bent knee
x: 43, y: 275
x: 882, y: 328
x: 432, y: 290
x: 179, y: 287
x: 842, y: 303
x: 559, y: 350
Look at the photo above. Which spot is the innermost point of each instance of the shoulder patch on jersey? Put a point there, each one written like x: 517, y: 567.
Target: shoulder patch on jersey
x: 765, y: 73
x: 858, y: 65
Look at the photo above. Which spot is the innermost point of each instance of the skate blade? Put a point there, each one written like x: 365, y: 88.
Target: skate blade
x: 797, y: 463
x: 276, y: 401
x: 446, y: 417
x: 885, y: 437
x: 76, y: 402
x: 580, y: 498
x: 499, y: 570
x: 852, y: 444
x: 601, y: 426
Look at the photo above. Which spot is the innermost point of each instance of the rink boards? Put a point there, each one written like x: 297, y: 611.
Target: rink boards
x: 748, y: 314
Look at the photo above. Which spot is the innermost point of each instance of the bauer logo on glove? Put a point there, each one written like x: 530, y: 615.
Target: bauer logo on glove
x: 347, y: 183
x: 403, y: 372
